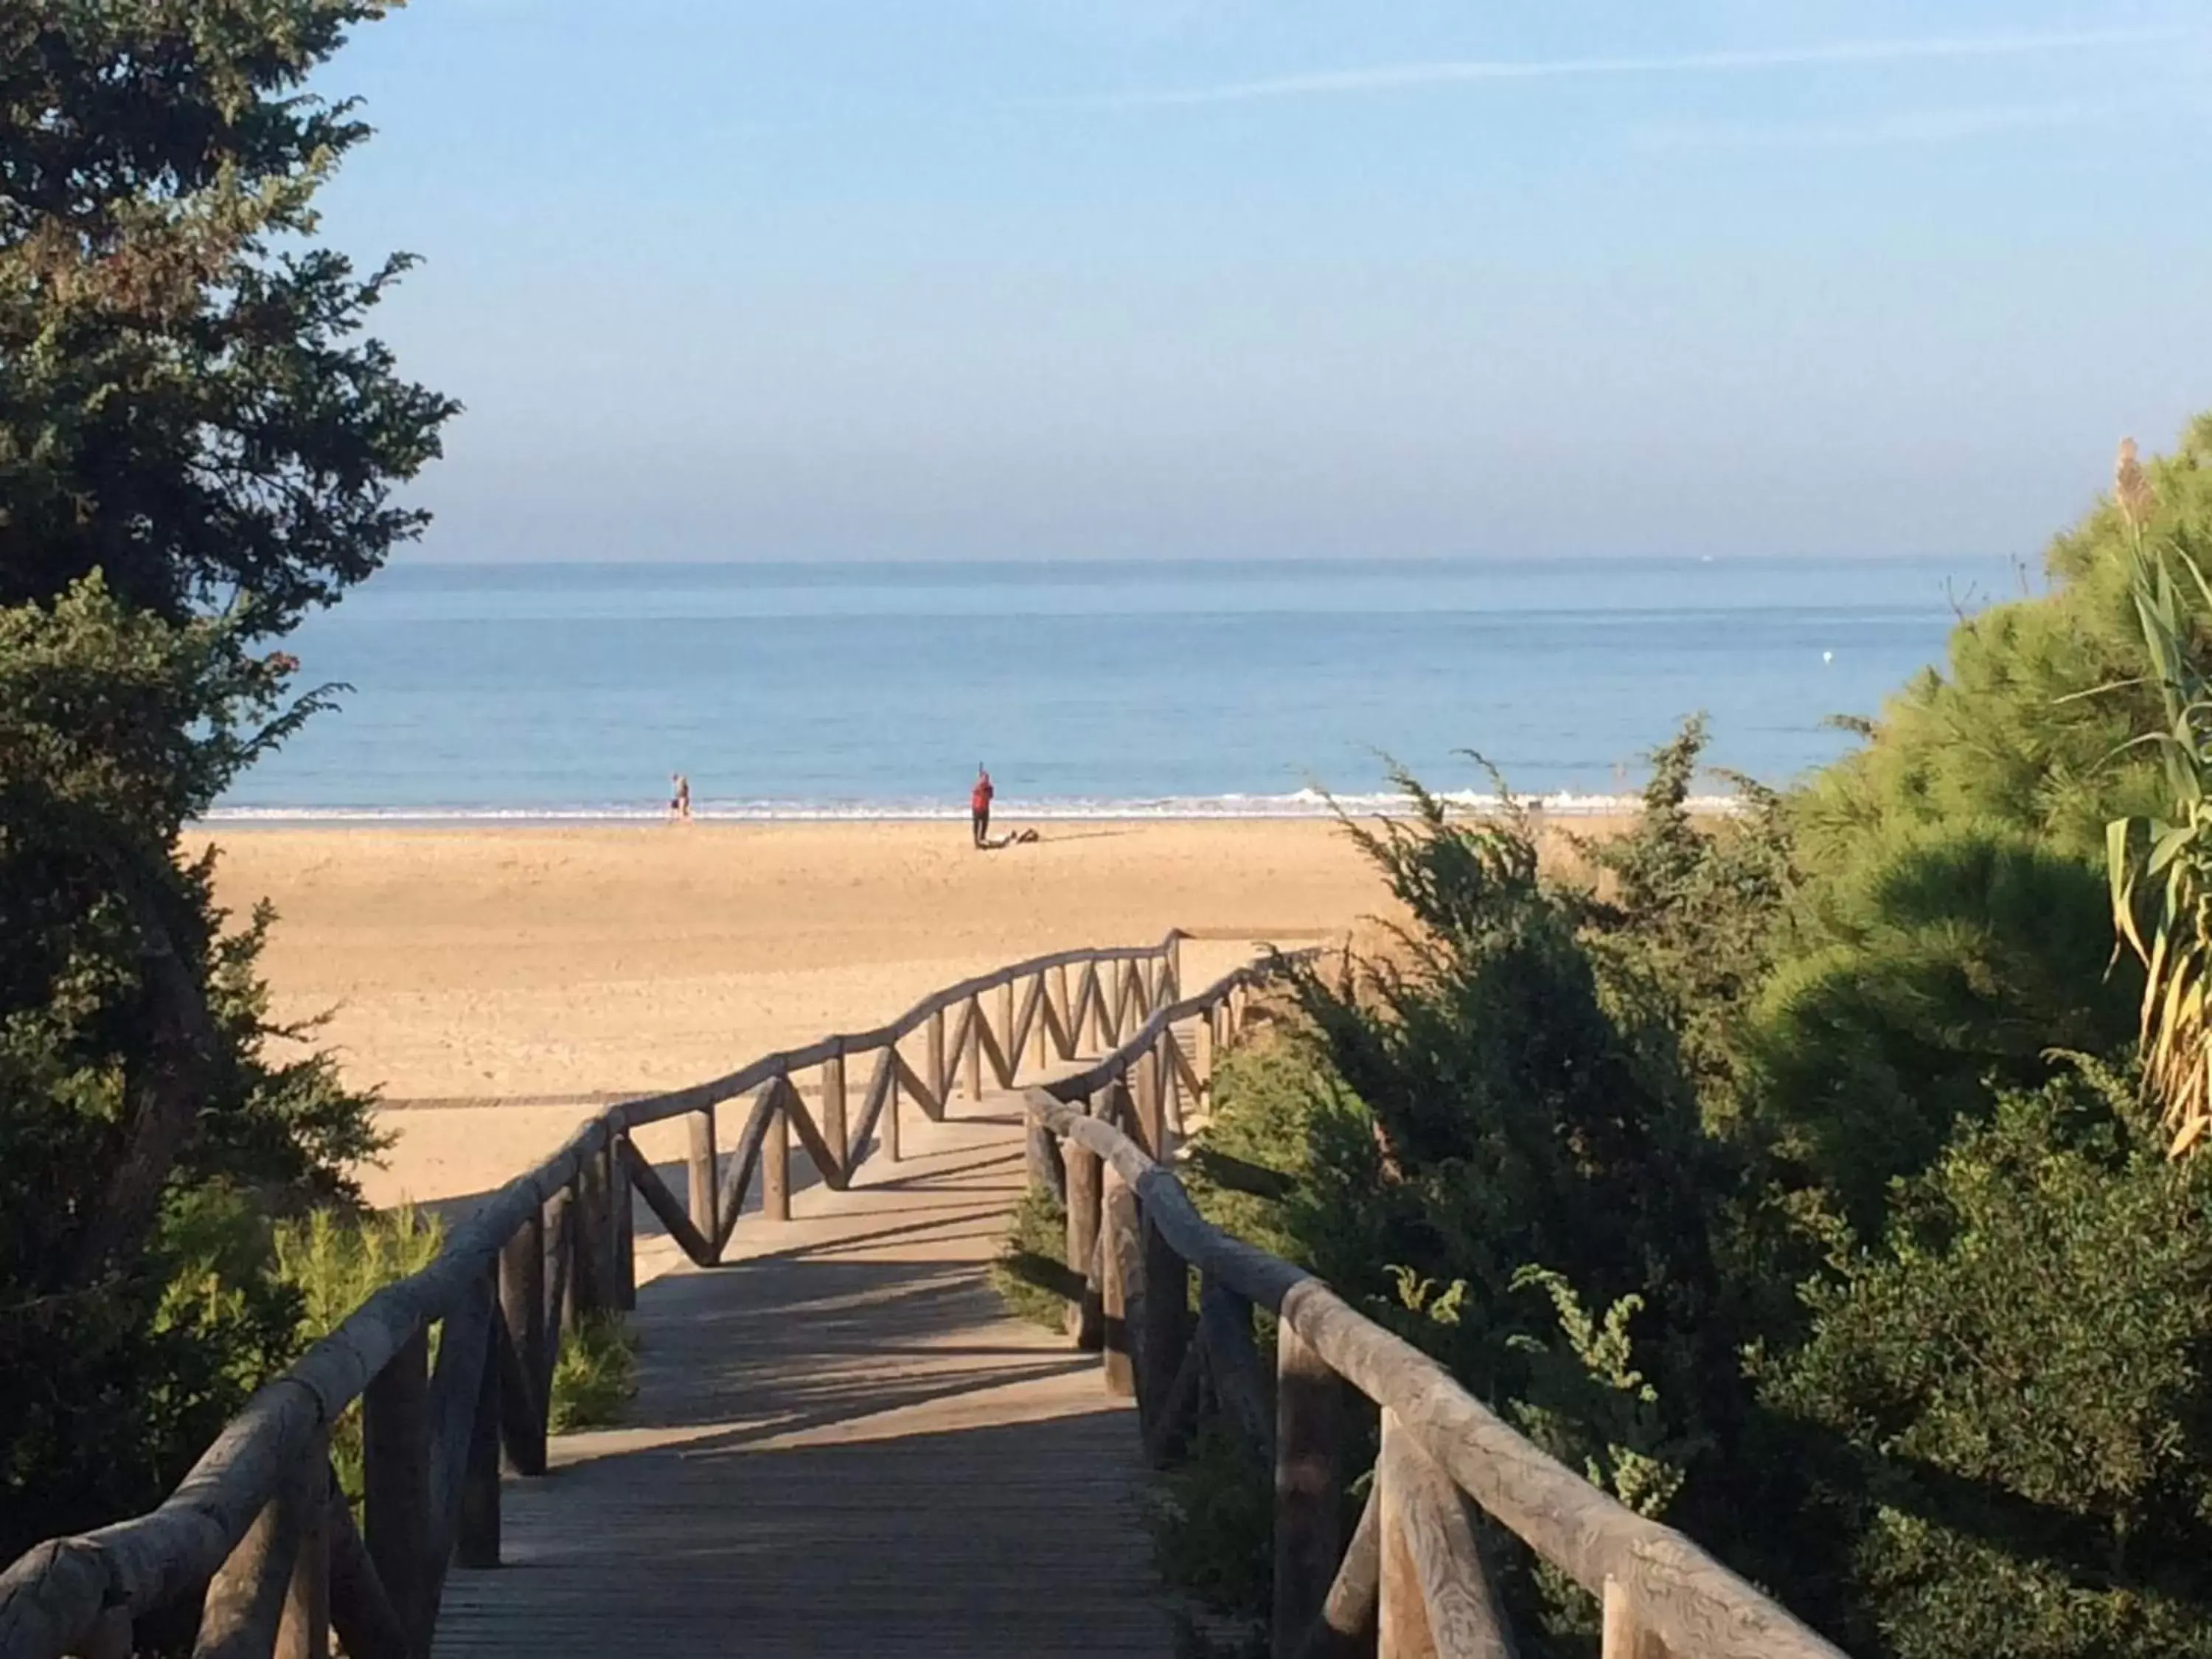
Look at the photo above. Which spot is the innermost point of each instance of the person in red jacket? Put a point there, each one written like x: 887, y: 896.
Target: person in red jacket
x: 978, y: 804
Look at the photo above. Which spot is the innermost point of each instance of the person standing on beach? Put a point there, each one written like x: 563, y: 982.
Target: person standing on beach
x: 679, y: 798
x: 979, y: 805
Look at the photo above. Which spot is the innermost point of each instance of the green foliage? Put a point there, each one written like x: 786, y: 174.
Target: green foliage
x: 1029, y: 1271
x: 2004, y: 736
x: 1503, y: 1128
x: 1947, y: 955
x: 146, y: 1132
x: 1212, y: 1519
x: 186, y: 399
x: 1490, y: 1103
x: 2171, y: 853
x: 1590, y: 1407
x: 2014, y: 1383
x: 335, y: 1261
x: 1688, y: 913
x: 107, y: 1389
x: 196, y: 445
x: 1951, y: 923
x: 1753, y: 1182
x: 596, y: 1375
x: 1263, y: 1097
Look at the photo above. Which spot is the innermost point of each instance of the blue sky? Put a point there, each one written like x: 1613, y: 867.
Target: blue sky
x: 1191, y: 278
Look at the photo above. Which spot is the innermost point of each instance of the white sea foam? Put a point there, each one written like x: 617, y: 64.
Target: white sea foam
x: 1300, y: 803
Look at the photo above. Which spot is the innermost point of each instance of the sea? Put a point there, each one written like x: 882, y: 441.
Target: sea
x: 559, y: 692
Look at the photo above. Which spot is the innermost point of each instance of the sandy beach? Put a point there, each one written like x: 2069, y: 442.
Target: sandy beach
x: 495, y: 985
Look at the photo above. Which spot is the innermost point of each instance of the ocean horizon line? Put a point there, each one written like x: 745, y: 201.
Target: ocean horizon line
x: 1304, y: 803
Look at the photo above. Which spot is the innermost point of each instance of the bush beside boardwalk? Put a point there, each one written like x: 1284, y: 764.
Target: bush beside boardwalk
x: 1793, y: 1179
x: 334, y: 1261
x: 202, y: 447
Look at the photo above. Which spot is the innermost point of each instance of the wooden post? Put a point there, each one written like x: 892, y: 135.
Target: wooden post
x: 1233, y: 1365
x: 1308, y: 1489
x: 561, y: 1309
x: 1085, y: 1318
x: 975, y: 1057
x: 1006, y: 1031
x: 621, y: 1223
x: 1067, y: 1011
x: 522, y: 1303
x: 1345, y: 1629
x: 703, y: 1171
x: 1120, y: 1272
x: 250, y: 1595
x: 361, y: 1614
x: 396, y: 1519
x: 1173, y: 1078
x: 587, y: 1208
x: 939, y: 1075
x: 1402, y: 1629
x: 1120, y: 1108
x: 1040, y: 1028
x: 1041, y: 1153
x: 775, y: 1167
x: 1428, y: 1530
x: 1173, y: 993
x: 833, y: 1129
x: 475, y: 1543
x: 304, y: 1632
x: 1165, y: 1326
x: 1152, y: 1116
x: 890, y: 1121
x: 1624, y: 1637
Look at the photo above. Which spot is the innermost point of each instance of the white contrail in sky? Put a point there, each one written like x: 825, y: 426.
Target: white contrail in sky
x: 1393, y: 77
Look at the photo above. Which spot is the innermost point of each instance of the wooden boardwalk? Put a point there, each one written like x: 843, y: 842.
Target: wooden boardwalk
x: 841, y: 1445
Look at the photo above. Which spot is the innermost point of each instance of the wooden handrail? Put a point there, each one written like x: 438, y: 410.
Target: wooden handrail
x: 1663, y: 1595
x: 550, y: 1246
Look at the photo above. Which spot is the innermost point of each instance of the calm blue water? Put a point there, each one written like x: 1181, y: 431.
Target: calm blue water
x: 536, y: 690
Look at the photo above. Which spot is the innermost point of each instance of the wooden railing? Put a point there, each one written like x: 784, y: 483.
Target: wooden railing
x: 1411, y: 1581
x: 258, y: 1530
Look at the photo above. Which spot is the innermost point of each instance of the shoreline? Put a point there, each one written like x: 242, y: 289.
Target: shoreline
x: 1225, y: 810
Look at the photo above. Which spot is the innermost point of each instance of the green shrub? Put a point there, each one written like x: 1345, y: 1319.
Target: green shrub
x: 335, y: 1260
x: 1265, y: 1094
x: 2013, y: 1391
x: 1950, y: 919
x: 201, y: 446
x: 596, y: 1376
x: 1031, y: 1272
x: 1211, y: 1520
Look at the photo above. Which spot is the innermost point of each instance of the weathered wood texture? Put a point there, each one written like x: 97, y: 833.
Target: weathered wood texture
x: 1665, y: 1594
x: 1430, y: 1554
x: 553, y: 1244
x: 1121, y: 1274
x: 1345, y: 1629
x: 840, y: 1446
x: 1308, y: 1487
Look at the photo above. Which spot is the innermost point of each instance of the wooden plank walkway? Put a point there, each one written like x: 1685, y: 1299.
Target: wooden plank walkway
x: 840, y: 1446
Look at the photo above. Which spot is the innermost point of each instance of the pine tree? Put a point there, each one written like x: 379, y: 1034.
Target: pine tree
x: 197, y: 445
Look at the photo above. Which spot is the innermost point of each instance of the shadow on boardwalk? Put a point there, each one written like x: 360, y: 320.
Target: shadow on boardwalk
x: 841, y: 1445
